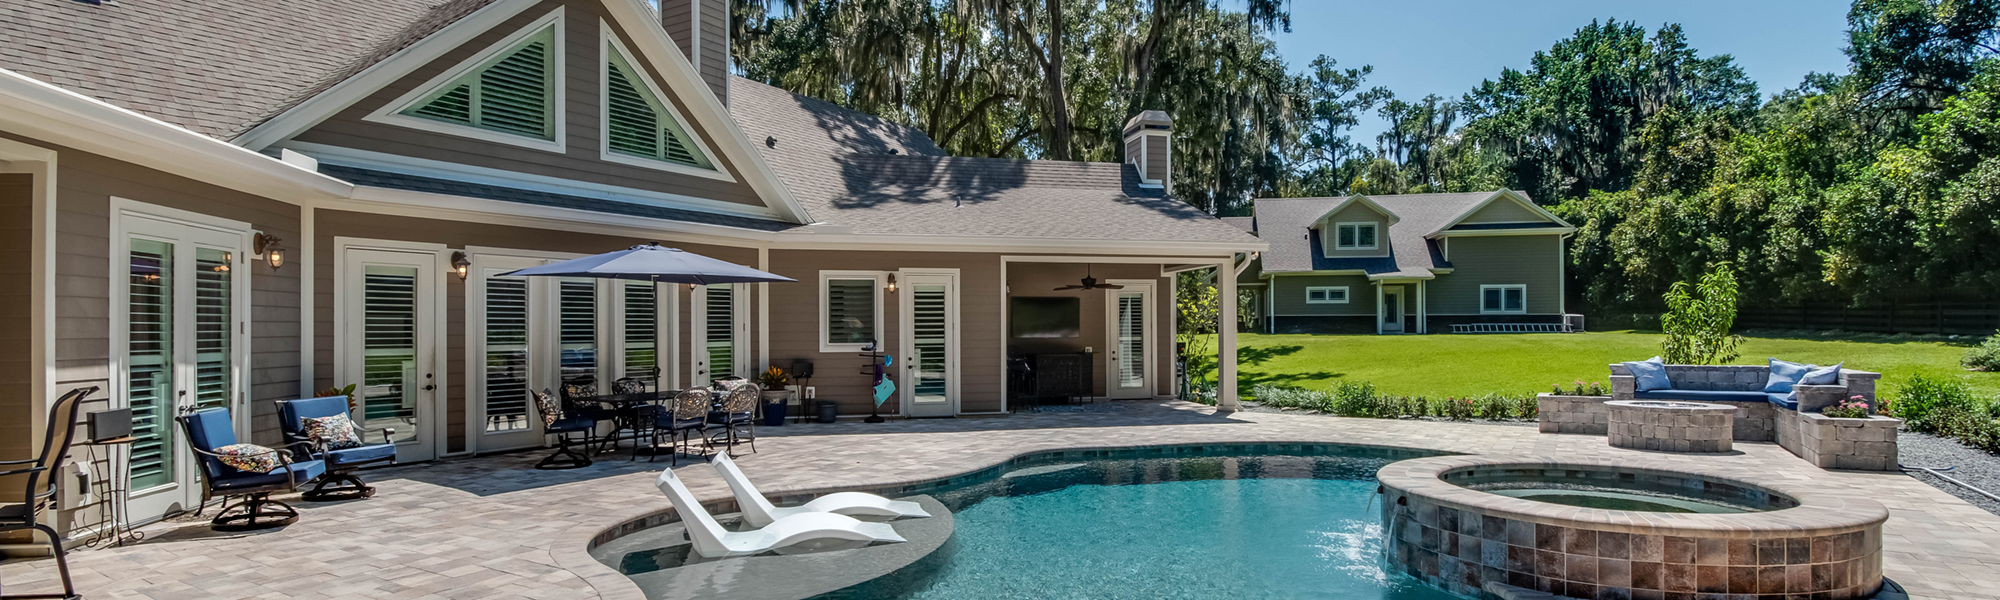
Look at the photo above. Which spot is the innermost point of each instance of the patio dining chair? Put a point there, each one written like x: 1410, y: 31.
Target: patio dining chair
x: 685, y: 419
x: 557, y: 421
x: 340, y: 482
x: 737, y: 416
x: 25, y: 513
x: 577, y: 403
x: 210, y: 429
x: 628, y: 385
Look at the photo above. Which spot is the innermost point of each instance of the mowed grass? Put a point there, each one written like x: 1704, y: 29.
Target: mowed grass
x: 1468, y: 365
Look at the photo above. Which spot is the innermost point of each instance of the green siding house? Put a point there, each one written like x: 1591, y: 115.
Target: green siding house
x: 1411, y: 263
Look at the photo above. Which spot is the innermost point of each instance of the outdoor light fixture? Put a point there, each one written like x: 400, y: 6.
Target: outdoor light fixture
x: 892, y: 283
x: 268, y: 246
x: 461, y: 264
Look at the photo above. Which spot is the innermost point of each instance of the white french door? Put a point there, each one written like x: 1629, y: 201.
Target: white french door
x: 929, y: 330
x: 719, y: 332
x: 507, y: 363
x: 1129, y: 327
x: 181, y: 334
x: 389, y: 320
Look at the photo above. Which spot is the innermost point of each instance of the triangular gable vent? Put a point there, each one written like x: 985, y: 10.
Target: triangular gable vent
x: 637, y: 122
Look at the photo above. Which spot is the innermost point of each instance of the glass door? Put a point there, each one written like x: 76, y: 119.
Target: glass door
x: 389, y: 324
x: 179, y: 304
x: 930, y: 344
x: 1131, y: 333
x: 1392, y: 309
x: 716, y: 340
x: 505, y: 364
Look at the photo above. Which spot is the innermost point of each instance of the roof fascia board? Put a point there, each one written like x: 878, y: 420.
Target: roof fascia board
x: 1499, y: 232
x: 326, y: 104
x: 1393, y: 217
x: 1502, y: 193
x: 1399, y: 275
x: 611, y: 42
x: 46, y: 112
x: 1318, y: 272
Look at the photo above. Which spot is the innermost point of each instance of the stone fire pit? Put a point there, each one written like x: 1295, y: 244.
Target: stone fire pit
x: 1670, y: 426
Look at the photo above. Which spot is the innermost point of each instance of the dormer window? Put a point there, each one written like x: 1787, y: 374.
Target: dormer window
x: 1354, y: 236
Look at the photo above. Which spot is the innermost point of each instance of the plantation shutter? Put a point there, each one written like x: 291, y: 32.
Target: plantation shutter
x: 514, y: 93
x: 637, y: 121
x: 506, y: 354
x: 850, y: 311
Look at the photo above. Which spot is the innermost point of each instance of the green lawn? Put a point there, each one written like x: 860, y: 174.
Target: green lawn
x: 1457, y: 365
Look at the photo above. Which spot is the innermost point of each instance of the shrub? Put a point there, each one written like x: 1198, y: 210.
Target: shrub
x: 1922, y: 399
x: 1985, y: 356
x: 1286, y: 397
x: 1580, y: 388
x: 1356, y: 399
x: 1974, y: 427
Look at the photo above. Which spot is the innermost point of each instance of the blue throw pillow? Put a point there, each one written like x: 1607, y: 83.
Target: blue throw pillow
x: 1822, y: 375
x: 1784, y: 375
x: 1649, y: 375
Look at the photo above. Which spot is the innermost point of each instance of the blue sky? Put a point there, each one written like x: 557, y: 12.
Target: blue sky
x: 1446, y: 47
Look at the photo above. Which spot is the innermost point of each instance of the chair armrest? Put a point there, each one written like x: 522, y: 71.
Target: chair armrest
x: 388, y: 436
x: 19, y: 462
x: 22, y: 471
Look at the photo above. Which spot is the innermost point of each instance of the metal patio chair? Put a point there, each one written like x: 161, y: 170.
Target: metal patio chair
x: 737, y: 416
x: 557, y: 421
x: 685, y: 419
x: 210, y: 428
x: 26, y: 513
x: 340, y: 482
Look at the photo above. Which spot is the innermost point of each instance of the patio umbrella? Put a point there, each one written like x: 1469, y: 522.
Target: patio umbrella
x: 652, y: 262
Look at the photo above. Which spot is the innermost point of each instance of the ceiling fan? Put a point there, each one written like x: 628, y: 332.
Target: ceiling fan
x: 1090, y: 283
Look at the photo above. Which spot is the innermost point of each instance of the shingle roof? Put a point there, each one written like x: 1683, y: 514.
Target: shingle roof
x: 880, y: 177
x: 1285, y: 223
x: 217, y: 68
x: 415, y: 183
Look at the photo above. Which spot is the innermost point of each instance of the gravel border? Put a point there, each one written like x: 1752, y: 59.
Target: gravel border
x: 1975, y: 466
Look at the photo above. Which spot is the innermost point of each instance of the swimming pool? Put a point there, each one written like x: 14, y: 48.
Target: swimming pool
x: 1196, y: 526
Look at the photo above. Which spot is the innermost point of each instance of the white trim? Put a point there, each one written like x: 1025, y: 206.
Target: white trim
x: 826, y: 277
x: 1506, y: 193
x: 954, y: 352
x: 1005, y: 316
x: 378, y: 161
x: 1503, y: 299
x: 308, y: 319
x: 1378, y: 307
x: 1357, y: 236
x: 391, y: 113
x: 1391, y: 215
x: 1344, y: 296
x: 1423, y: 324
x: 1446, y: 235
x: 1562, y: 277
x: 610, y: 42
x: 476, y: 435
x: 763, y: 322
x: 40, y: 165
x: 354, y: 89
x: 440, y: 357
x: 1145, y: 154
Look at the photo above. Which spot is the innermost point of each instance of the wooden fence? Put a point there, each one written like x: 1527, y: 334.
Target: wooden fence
x: 1945, y: 317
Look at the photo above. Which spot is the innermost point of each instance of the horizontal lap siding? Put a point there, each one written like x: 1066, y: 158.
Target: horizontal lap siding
x: 715, y: 46
x: 1289, y: 295
x: 1505, y: 211
x: 1158, y: 157
x: 17, y: 394
x: 581, y: 162
x: 1532, y: 260
x: 1355, y: 212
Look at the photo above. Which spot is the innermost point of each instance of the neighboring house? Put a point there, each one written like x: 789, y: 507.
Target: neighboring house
x: 1412, y: 263
x: 230, y: 204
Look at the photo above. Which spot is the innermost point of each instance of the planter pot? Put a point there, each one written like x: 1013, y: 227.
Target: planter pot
x: 774, y: 406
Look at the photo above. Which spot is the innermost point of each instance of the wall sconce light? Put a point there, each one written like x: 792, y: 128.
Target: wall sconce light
x: 267, y: 245
x: 461, y: 264
x: 892, y: 283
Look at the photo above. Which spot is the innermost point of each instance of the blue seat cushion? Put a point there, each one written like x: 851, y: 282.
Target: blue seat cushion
x: 723, y: 418
x: 291, y: 415
x: 571, y: 425
x: 302, y: 471
x: 1788, y: 400
x: 361, y: 454
x: 1702, y: 396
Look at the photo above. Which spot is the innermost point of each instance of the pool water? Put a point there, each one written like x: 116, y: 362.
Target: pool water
x: 1183, y: 527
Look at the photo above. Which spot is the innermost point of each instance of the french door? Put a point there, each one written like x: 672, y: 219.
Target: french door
x: 389, y: 326
x: 182, y: 331
x: 1129, y: 325
x: 930, y: 344
x: 719, y: 332
x: 507, y: 366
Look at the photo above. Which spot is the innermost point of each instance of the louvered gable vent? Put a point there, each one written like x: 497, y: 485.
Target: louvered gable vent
x: 637, y: 122
x: 513, y: 93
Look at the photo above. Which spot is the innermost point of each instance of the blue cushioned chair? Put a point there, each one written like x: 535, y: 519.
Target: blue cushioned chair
x: 340, y: 482
x: 210, y: 428
x: 559, y: 422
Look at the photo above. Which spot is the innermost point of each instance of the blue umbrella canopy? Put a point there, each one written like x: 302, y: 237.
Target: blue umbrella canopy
x: 652, y: 262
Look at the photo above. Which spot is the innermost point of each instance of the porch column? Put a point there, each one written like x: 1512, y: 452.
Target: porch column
x: 1378, y: 308
x: 1225, y: 337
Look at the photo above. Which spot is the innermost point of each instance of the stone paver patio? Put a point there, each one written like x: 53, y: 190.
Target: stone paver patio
x: 493, y: 528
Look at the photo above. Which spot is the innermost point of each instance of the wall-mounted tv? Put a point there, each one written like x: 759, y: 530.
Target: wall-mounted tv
x: 1059, y: 317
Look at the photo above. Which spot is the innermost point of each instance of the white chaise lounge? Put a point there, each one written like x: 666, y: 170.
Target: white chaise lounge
x: 712, y: 541
x: 759, y: 512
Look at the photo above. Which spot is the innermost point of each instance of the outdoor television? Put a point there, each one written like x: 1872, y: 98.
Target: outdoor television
x: 1059, y: 317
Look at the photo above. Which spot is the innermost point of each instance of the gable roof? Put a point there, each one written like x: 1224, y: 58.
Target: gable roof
x: 1413, y: 248
x: 1359, y: 199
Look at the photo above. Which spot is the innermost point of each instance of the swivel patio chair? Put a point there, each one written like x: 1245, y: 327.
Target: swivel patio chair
x: 210, y: 428
x: 712, y: 541
x: 737, y: 417
x: 25, y: 514
x: 758, y: 511
x: 340, y: 482
x: 684, y: 420
x: 557, y: 422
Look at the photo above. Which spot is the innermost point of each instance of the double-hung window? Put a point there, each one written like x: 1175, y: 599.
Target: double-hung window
x: 1354, y: 236
x: 1326, y: 295
x: 850, y: 310
x: 1503, y: 299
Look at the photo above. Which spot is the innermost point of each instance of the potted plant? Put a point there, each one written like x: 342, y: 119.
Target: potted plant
x: 353, y: 403
x: 773, y: 381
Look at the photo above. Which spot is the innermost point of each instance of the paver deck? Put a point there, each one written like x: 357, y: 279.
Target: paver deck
x: 493, y: 528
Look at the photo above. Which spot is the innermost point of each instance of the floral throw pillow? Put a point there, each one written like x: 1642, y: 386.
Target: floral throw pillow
x: 334, y: 432
x: 250, y: 458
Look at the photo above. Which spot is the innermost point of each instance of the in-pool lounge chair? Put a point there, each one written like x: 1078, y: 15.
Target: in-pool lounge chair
x: 712, y: 541
x: 759, y: 512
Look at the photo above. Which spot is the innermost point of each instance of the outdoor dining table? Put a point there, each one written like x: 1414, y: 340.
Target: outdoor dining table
x: 626, y: 406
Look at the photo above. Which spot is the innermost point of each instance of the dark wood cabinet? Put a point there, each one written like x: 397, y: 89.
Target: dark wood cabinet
x: 1048, y: 378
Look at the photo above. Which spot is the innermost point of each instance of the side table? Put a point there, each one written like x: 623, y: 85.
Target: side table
x: 113, y: 531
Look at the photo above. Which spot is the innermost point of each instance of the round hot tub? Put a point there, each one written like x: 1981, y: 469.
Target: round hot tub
x: 1670, y: 426
x: 1591, y: 529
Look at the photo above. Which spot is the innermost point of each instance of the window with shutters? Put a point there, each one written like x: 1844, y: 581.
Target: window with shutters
x: 637, y: 122
x: 850, y: 309
x: 509, y: 93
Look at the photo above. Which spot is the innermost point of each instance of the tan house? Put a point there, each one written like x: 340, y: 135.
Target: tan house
x: 230, y: 204
x: 1408, y: 263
